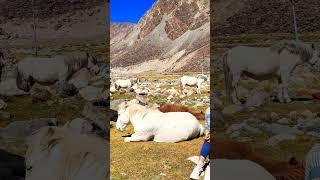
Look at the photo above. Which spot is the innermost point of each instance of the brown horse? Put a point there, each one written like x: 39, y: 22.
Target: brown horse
x: 180, y: 108
x: 281, y: 170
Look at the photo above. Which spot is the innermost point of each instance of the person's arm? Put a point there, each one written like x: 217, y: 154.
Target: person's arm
x: 207, y: 121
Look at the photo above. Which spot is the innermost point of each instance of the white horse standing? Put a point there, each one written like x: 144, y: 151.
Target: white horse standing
x: 125, y: 83
x: 265, y: 63
x: 161, y: 127
x: 193, y: 81
x: 47, y: 71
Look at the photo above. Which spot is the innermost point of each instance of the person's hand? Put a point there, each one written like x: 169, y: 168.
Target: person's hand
x: 207, y: 137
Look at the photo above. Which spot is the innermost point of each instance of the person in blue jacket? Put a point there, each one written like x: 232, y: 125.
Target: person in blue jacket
x: 205, y: 150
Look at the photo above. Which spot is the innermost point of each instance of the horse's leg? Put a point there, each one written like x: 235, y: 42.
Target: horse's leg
x: 285, y: 82
x: 280, y: 91
x: 234, y: 88
x: 138, y: 137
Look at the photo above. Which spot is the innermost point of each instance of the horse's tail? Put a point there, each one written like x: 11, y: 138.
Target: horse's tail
x: 227, y: 76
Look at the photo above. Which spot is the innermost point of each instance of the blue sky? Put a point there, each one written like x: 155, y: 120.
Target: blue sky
x: 129, y: 10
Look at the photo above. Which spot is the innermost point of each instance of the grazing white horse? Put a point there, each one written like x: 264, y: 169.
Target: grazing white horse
x: 125, y: 83
x: 47, y: 71
x: 56, y: 153
x: 265, y: 63
x: 150, y: 124
x: 193, y: 81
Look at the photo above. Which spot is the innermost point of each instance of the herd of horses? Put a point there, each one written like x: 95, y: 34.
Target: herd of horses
x: 184, y: 81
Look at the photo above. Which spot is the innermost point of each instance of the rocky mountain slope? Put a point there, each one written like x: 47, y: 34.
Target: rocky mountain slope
x: 234, y: 17
x: 172, y: 36
x: 61, y: 21
x: 118, y: 31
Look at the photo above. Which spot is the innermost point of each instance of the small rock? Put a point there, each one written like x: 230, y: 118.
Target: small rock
x: 284, y: 121
x: 275, y: 140
x: 5, y: 115
x: 232, y: 109
x: 3, y: 105
x: 274, y: 116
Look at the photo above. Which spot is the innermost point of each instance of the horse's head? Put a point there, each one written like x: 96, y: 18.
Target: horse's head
x: 203, y: 77
x: 315, y: 55
x: 92, y: 63
x: 123, y: 116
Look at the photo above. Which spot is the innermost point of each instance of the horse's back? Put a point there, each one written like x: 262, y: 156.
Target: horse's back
x: 241, y: 58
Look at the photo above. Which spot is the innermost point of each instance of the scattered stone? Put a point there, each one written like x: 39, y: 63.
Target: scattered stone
x: 3, y: 105
x: 293, y: 115
x: 257, y: 99
x: 40, y: 95
x: 5, y: 115
x: 308, y: 114
x: 281, y: 129
x: 232, y: 109
x: 9, y: 88
x: 91, y: 93
x: 274, y: 116
x: 22, y: 129
x: 284, y: 121
x: 81, y: 78
x: 275, y: 140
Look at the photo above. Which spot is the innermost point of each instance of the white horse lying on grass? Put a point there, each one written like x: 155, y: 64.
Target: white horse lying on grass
x: 265, y: 63
x: 193, y: 81
x: 150, y: 124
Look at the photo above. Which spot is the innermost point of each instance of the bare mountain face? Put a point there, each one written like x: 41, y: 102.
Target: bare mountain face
x: 234, y: 17
x: 172, y: 36
x: 118, y: 31
x: 57, y: 20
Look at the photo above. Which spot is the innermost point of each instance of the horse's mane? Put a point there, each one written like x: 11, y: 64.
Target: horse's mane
x: 298, y: 48
x: 281, y: 170
x: 202, y: 76
x: 76, y: 60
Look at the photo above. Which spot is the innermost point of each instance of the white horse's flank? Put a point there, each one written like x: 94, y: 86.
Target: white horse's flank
x: 150, y: 124
x: 47, y: 71
x: 193, y: 81
x: 122, y: 83
x: 265, y: 63
x: 56, y: 153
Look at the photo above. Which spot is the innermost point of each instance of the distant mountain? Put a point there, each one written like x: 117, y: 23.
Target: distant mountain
x: 234, y: 17
x: 172, y: 36
x: 119, y: 30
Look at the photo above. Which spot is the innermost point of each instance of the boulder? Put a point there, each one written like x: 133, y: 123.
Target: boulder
x: 22, y: 129
x: 9, y: 88
x: 232, y: 109
x: 81, y: 78
x: 275, y: 140
x: 257, y: 99
x: 91, y: 93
